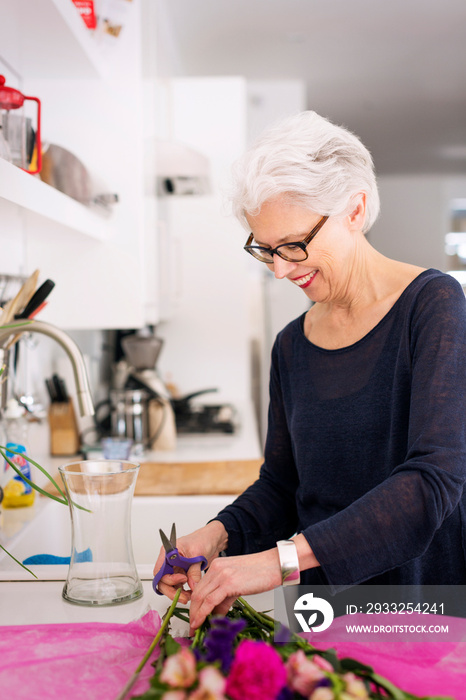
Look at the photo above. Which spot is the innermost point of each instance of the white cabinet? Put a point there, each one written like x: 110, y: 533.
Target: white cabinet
x: 91, y: 93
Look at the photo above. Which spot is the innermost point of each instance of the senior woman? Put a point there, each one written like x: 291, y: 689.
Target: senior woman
x: 365, y: 457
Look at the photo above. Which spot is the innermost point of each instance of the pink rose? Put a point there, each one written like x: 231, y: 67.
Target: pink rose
x: 354, y: 688
x: 211, y: 685
x: 257, y: 672
x: 303, y: 674
x: 322, y: 693
x: 322, y: 663
x: 174, y: 695
x: 179, y: 670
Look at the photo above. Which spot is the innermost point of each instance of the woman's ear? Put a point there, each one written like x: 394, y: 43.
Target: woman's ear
x: 357, y: 208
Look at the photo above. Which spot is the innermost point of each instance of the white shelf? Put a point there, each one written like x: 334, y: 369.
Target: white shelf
x: 63, y: 47
x: 29, y: 192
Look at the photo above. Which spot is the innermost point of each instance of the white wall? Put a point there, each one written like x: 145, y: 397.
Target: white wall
x: 272, y: 100
x: 207, y: 337
x: 274, y: 302
x: 415, y: 216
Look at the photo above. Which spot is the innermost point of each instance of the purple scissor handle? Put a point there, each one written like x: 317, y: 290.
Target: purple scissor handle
x: 174, y: 558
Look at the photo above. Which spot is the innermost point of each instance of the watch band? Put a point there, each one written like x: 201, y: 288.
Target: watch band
x: 289, y: 563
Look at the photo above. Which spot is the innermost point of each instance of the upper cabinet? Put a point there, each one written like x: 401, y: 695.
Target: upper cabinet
x: 54, y: 25
x: 90, y: 88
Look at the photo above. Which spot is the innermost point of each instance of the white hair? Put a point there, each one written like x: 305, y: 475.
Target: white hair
x: 311, y: 161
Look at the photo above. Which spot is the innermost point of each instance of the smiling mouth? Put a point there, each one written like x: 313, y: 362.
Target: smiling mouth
x: 303, y: 281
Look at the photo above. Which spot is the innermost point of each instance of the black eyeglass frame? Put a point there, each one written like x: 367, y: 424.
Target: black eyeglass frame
x: 256, y: 250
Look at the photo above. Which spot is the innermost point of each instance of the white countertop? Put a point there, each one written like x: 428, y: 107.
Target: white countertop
x: 41, y: 602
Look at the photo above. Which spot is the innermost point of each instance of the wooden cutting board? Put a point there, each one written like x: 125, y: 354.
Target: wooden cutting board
x: 192, y: 478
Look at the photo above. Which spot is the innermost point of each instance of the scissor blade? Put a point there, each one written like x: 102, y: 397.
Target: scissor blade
x: 173, y: 536
x: 167, y: 545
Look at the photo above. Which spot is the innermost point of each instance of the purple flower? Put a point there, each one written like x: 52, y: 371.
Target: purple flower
x: 219, y: 641
x: 282, y: 635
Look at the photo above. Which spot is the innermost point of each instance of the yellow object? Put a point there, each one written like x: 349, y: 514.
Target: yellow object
x: 15, y: 496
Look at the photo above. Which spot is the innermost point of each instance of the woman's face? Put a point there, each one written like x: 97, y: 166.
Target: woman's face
x: 327, y: 272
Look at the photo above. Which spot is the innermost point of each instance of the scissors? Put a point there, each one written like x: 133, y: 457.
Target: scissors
x: 174, y: 558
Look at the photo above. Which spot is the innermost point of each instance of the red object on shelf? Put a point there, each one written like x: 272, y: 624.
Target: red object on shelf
x: 86, y: 10
x: 10, y: 98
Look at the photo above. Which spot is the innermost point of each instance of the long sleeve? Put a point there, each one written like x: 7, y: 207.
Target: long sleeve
x: 366, y: 447
x: 395, y: 522
x: 266, y: 511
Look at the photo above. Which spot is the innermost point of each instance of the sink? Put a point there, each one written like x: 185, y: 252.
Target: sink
x: 47, y: 530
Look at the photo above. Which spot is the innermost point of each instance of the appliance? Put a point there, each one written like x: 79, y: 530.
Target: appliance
x: 204, y: 418
x: 180, y: 169
x: 12, y: 99
x: 127, y: 416
x: 186, y: 415
x: 142, y: 350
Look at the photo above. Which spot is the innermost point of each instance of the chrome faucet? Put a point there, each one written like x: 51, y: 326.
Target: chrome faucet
x: 86, y: 406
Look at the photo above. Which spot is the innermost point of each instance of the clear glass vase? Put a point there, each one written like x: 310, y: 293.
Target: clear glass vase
x: 102, y: 569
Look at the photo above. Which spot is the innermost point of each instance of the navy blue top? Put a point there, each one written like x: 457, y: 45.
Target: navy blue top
x: 366, y: 448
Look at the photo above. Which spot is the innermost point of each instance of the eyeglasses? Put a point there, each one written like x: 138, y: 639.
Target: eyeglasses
x: 292, y: 252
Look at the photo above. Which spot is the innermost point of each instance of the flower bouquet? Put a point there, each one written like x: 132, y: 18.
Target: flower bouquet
x: 247, y: 655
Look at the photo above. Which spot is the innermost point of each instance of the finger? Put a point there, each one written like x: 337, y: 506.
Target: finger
x: 170, y: 592
x: 224, y: 607
x: 194, y: 575
x: 159, y: 563
x: 202, y: 605
x: 174, y: 579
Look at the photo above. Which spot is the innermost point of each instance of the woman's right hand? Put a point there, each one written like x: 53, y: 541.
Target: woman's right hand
x: 208, y: 541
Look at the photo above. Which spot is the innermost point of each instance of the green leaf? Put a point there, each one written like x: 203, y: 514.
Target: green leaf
x: 18, y: 562
x: 16, y: 325
x: 181, y: 614
x: 348, y: 664
x: 3, y: 451
x: 171, y: 645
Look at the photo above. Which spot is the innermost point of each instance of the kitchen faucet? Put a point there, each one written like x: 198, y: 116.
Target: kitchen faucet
x: 86, y: 406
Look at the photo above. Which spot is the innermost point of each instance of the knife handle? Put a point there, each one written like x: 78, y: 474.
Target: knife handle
x: 37, y: 298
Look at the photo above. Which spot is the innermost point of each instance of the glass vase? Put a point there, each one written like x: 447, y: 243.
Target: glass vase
x: 102, y: 569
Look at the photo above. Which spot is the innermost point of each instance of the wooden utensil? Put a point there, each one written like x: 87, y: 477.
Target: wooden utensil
x: 17, y: 304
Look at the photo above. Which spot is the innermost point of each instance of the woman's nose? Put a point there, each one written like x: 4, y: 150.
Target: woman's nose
x: 281, y: 268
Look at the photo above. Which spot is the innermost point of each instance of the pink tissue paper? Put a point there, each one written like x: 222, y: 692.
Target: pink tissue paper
x: 95, y: 660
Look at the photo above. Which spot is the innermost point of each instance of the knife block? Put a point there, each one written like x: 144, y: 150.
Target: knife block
x: 64, y: 433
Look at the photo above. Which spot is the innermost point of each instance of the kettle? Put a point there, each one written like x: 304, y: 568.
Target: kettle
x: 11, y: 99
x: 127, y: 417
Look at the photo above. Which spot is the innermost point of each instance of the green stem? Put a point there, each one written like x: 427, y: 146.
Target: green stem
x: 198, y: 636
x: 261, y: 618
x: 158, y: 636
x: 166, y: 620
x: 18, y: 562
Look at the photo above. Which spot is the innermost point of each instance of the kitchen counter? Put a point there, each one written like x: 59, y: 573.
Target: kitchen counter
x: 222, y: 455
x: 215, y: 460
x: 41, y: 602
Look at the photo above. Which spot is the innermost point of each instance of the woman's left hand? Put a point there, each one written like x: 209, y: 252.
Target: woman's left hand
x: 229, y: 577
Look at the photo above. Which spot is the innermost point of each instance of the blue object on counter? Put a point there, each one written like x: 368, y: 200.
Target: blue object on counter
x: 42, y: 559
x: 116, y: 448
